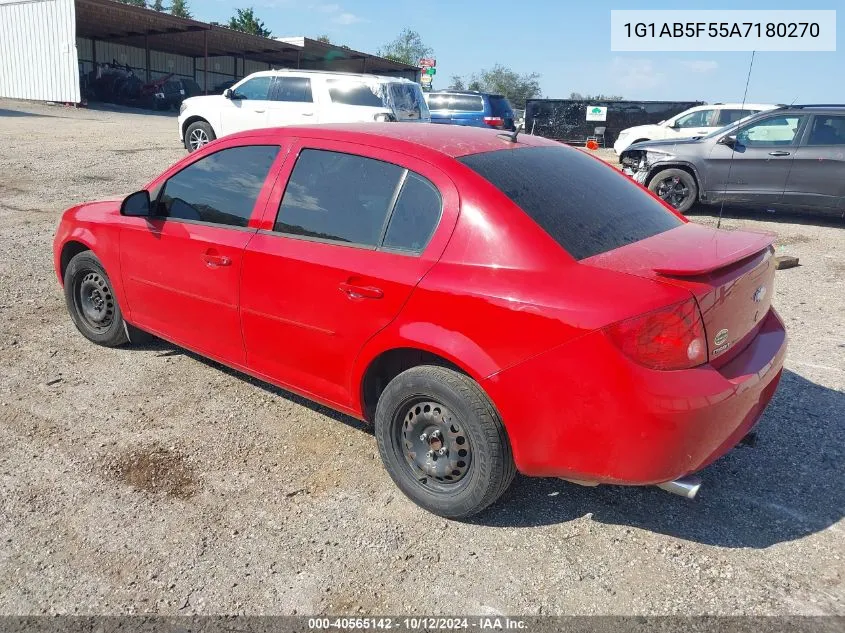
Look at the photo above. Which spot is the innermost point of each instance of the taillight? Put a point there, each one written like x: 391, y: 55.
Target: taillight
x: 494, y: 121
x: 669, y: 338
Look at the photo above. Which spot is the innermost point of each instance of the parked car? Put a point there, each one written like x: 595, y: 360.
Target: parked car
x: 792, y: 157
x: 697, y: 121
x: 173, y: 92
x: 295, y: 97
x: 478, y: 109
x: 407, y: 275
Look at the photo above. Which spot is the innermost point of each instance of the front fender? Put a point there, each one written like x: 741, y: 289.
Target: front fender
x: 674, y: 164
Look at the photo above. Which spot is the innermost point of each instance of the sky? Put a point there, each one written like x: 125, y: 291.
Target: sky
x: 566, y: 41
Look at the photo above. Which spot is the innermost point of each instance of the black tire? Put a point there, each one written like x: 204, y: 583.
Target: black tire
x: 437, y: 402
x: 91, y: 301
x: 197, y: 134
x: 676, y: 187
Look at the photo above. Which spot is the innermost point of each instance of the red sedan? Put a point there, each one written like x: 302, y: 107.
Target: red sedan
x: 489, y: 303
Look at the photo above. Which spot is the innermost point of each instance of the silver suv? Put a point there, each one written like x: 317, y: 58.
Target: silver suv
x: 791, y: 157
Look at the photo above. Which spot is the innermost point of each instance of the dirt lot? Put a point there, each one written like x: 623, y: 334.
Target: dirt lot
x: 149, y: 480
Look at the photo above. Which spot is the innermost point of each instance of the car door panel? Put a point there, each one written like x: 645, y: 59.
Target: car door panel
x: 185, y: 287
x: 752, y: 174
x: 181, y: 275
x: 308, y: 305
x: 817, y: 177
x: 247, y: 109
x: 291, y: 102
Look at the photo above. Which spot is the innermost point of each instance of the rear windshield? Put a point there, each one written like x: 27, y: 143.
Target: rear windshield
x: 355, y: 93
x: 576, y: 199
x: 501, y: 107
x: 460, y: 103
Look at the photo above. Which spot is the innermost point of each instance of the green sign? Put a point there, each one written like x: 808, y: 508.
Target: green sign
x: 430, y: 71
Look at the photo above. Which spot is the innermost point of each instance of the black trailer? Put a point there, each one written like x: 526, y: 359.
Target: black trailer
x: 566, y: 119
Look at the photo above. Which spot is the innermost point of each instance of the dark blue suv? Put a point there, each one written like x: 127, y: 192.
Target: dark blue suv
x: 478, y: 109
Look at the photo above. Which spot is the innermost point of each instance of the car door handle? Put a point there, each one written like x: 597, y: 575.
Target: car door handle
x: 361, y: 292
x: 214, y: 260
x: 307, y: 114
x: 260, y: 111
x: 779, y: 152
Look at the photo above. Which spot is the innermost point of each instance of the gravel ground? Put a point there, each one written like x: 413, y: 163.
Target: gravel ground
x: 148, y: 480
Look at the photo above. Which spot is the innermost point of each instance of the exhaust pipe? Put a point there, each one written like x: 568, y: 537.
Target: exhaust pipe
x: 684, y: 487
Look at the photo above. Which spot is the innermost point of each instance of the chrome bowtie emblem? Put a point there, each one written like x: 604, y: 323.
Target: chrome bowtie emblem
x: 759, y: 294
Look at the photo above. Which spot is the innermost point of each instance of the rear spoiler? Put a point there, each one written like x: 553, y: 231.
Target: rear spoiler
x: 731, y: 247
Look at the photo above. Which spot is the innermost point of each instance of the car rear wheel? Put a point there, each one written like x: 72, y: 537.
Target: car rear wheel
x: 675, y: 186
x: 442, y: 441
x: 91, y: 301
x: 199, y: 133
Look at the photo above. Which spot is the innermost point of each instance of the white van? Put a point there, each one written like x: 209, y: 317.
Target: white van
x: 275, y: 98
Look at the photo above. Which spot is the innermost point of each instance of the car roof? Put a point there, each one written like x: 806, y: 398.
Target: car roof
x: 294, y: 72
x: 463, y: 92
x: 736, y: 106
x: 414, y: 138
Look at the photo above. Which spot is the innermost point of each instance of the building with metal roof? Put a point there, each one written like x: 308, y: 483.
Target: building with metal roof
x: 47, y: 46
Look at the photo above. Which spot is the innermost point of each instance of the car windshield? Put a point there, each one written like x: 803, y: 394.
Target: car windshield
x: 583, y: 204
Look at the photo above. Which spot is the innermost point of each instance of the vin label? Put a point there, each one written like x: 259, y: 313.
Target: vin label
x: 712, y: 30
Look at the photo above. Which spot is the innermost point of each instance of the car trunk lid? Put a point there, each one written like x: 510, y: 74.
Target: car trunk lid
x: 730, y: 273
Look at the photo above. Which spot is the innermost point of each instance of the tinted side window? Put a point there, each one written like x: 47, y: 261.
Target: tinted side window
x: 501, y: 107
x: 728, y: 116
x: 221, y: 188
x: 338, y: 197
x: 581, y: 203
x: 415, y: 215
x: 461, y: 103
x: 255, y: 88
x: 355, y: 93
x: 701, y: 118
x: 771, y: 132
x: 292, y: 89
x: 827, y: 130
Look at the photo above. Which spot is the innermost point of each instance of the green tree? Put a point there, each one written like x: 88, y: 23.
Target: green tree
x: 179, y: 8
x: 457, y: 83
x: 407, y: 48
x: 158, y: 6
x: 325, y: 39
x: 135, y: 3
x: 246, y: 21
x: 504, y: 81
x: 577, y: 96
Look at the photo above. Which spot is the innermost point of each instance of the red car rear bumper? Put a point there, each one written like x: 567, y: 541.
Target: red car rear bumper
x: 585, y: 411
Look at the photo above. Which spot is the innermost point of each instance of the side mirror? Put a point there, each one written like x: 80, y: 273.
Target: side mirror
x: 228, y: 93
x: 729, y: 140
x: 674, y: 125
x: 137, y: 205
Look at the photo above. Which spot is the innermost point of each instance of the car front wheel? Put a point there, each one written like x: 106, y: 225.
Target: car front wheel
x: 199, y: 133
x: 91, y: 301
x: 442, y: 441
x: 675, y: 186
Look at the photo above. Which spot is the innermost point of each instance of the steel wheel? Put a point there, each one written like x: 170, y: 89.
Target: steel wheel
x: 197, y: 138
x: 673, y: 191
x: 436, y: 448
x: 94, y: 301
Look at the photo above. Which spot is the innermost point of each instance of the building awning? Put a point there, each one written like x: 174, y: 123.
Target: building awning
x: 112, y: 21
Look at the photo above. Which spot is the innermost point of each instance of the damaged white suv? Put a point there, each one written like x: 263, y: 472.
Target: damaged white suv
x: 275, y: 98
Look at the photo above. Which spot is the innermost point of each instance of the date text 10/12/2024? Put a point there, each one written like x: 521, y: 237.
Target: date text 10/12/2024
x: 416, y: 624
